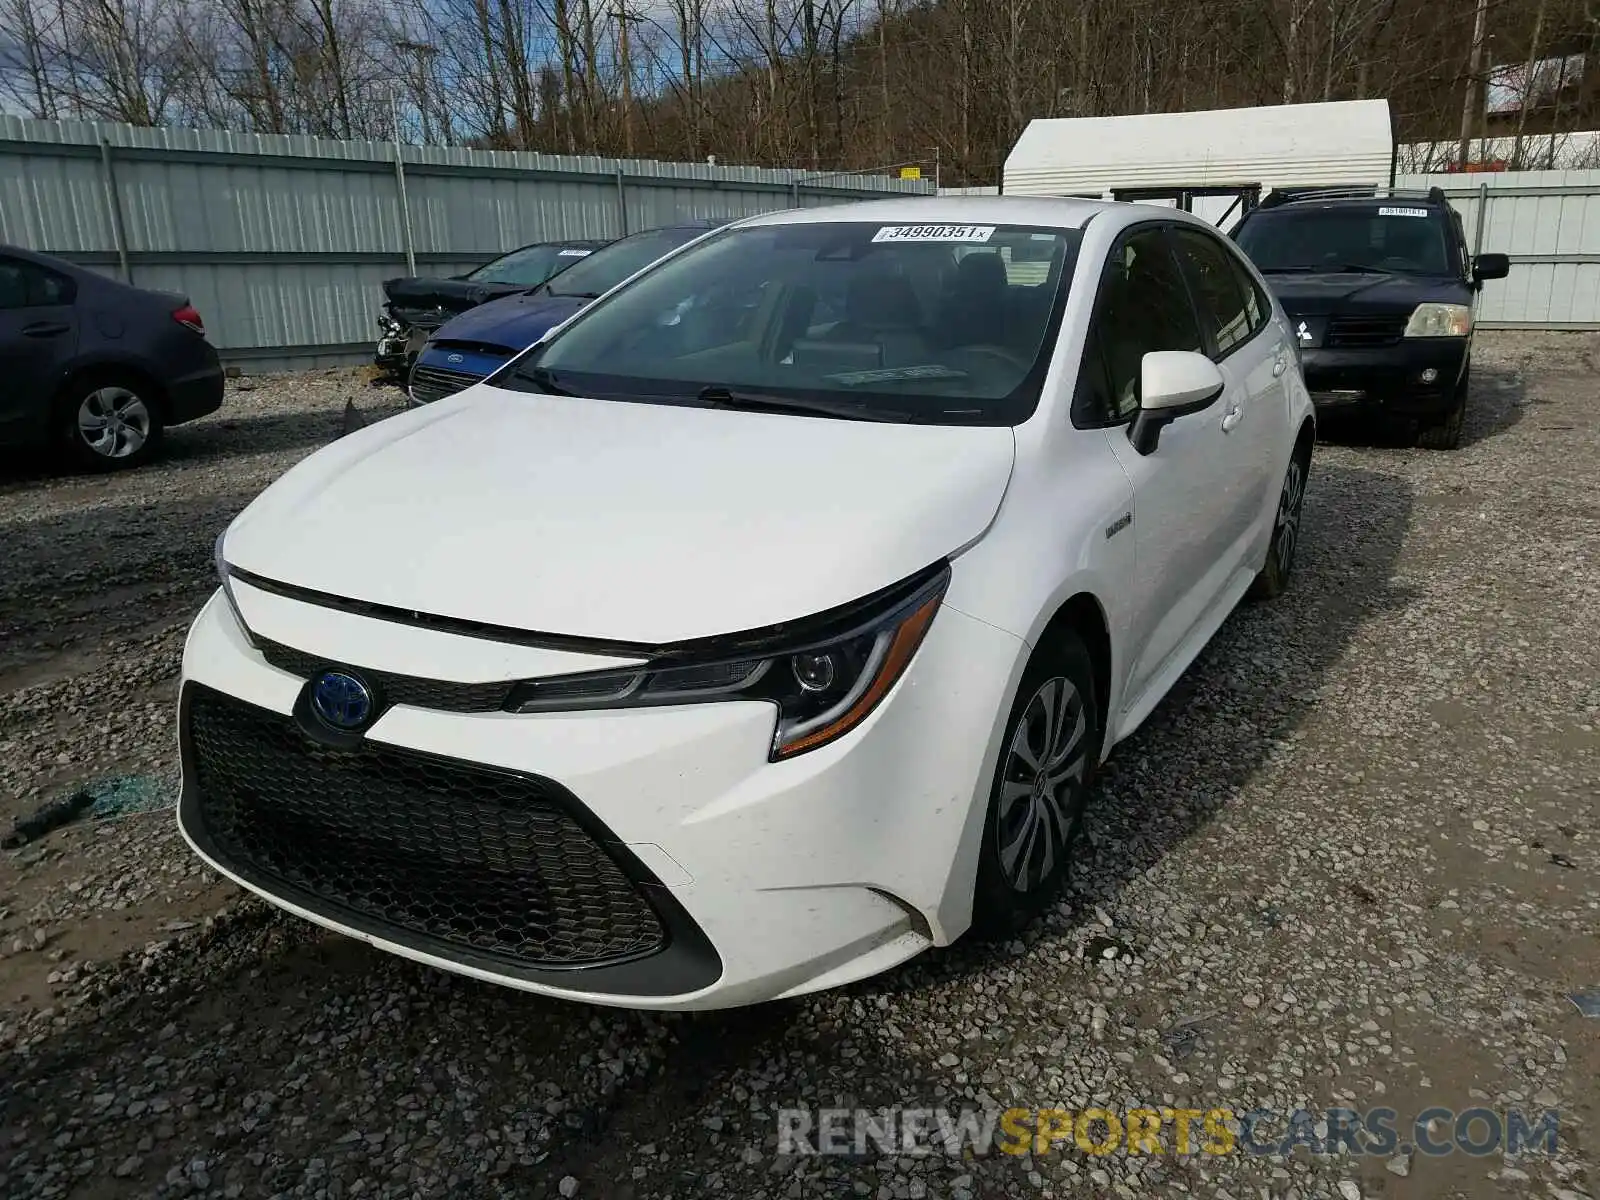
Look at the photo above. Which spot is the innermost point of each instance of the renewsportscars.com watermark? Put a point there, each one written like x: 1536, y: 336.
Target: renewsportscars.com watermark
x: 1175, y: 1131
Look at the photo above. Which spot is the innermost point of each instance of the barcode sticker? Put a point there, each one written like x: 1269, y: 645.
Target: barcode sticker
x: 934, y: 233
x: 1402, y: 212
x: 572, y: 253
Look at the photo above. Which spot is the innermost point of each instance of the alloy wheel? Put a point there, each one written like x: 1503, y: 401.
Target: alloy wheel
x: 1288, y: 531
x: 1044, y: 772
x: 113, y: 422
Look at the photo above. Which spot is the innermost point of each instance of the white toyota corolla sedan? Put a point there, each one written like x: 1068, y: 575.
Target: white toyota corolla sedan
x: 763, y: 625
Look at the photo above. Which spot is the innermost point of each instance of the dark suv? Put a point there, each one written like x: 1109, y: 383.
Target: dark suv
x: 1380, y: 290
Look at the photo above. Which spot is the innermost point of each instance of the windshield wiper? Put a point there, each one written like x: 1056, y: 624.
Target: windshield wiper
x: 722, y: 397
x: 542, y: 379
x: 576, y: 295
x: 1363, y: 269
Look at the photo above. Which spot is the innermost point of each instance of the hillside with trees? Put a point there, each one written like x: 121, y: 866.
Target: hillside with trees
x: 824, y: 84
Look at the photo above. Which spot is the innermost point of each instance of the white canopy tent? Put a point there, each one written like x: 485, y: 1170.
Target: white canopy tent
x: 1212, y: 163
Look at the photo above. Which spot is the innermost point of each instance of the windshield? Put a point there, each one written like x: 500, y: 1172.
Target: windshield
x: 531, y: 265
x: 606, y: 268
x: 1395, y: 238
x: 941, y: 323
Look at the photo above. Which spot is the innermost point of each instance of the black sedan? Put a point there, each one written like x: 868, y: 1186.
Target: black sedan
x: 414, y: 308
x: 94, y: 367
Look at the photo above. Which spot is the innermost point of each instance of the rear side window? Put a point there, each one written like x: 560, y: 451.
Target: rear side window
x: 1223, y: 302
x: 24, y: 285
x: 1255, y: 304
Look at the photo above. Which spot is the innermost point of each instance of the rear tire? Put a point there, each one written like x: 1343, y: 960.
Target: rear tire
x: 1446, y: 435
x: 1041, y: 787
x: 110, y: 422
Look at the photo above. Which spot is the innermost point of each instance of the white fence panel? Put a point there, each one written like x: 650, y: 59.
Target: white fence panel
x: 283, y: 242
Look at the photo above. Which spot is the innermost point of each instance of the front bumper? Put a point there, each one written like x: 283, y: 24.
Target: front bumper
x: 1387, y: 378
x: 398, y: 349
x: 768, y: 879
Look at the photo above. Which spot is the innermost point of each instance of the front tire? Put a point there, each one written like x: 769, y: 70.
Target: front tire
x: 110, y: 423
x: 1041, y: 788
x: 1446, y: 435
x: 1273, y: 579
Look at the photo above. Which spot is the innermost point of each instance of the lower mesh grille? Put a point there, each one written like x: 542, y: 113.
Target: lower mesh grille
x: 420, y: 849
x: 435, y: 383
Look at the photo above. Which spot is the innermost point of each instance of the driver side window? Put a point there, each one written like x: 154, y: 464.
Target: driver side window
x: 1143, y: 305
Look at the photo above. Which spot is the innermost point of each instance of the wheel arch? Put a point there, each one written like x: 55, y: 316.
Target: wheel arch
x: 1305, y: 441
x: 1083, y: 614
x: 113, y: 369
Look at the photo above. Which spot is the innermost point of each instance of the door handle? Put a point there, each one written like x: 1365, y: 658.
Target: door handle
x: 1230, y: 422
x: 44, y: 329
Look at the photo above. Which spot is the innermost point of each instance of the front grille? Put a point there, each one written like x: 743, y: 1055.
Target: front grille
x: 435, y: 383
x: 1352, y: 332
x: 426, y: 851
x: 442, y: 695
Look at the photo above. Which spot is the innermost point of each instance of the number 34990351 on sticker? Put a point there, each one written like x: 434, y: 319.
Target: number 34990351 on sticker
x: 934, y: 233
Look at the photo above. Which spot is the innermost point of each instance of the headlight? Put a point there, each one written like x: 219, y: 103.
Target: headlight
x: 1440, y: 320
x: 825, y: 676
x: 389, y: 325
x: 226, y: 578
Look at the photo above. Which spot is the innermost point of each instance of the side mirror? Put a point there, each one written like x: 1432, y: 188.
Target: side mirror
x: 1490, y: 266
x: 1172, y: 384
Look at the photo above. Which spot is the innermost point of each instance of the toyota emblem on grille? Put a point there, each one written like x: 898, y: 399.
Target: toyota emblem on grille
x: 455, y: 358
x: 341, y: 701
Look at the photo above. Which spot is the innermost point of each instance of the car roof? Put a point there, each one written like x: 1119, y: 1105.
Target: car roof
x: 1316, y: 203
x: 557, y: 242
x: 1047, y: 211
x: 39, y: 259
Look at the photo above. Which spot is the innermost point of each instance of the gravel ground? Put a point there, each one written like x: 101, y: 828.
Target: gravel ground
x: 1353, y: 860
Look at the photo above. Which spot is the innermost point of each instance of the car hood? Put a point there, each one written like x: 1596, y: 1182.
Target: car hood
x: 631, y: 522
x: 1359, y: 293
x: 431, y: 301
x: 515, y: 322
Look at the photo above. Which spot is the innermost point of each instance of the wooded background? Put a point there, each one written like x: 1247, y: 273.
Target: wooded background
x: 824, y: 84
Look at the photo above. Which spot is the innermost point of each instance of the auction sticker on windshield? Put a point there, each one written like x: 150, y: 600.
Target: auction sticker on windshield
x: 572, y: 254
x: 1402, y: 212
x: 934, y: 233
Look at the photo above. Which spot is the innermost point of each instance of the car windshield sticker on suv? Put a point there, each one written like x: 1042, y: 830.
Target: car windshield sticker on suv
x: 1402, y: 212
x: 573, y: 254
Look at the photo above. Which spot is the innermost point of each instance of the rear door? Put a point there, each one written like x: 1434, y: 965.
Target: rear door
x: 1254, y: 357
x: 1183, y: 556
x: 38, y: 335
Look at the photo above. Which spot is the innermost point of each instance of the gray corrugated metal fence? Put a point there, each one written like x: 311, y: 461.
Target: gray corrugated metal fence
x: 282, y: 242
x: 1549, y: 223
